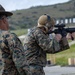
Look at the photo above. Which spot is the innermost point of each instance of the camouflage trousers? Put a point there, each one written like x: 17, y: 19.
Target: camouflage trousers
x: 10, y: 69
x: 21, y: 71
x: 34, y: 70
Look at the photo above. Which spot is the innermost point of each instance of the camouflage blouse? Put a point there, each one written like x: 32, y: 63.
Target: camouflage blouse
x: 12, y: 52
x: 36, y: 45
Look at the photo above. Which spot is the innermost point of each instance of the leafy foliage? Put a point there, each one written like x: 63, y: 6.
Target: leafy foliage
x: 27, y: 18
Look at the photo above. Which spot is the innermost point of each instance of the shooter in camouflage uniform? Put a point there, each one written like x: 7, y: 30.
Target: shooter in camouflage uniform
x: 37, y: 43
x: 10, y: 46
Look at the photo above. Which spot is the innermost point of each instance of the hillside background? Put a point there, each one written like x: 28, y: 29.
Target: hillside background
x: 27, y: 18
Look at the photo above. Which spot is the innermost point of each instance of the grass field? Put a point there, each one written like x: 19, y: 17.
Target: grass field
x: 61, y: 58
x: 20, y: 31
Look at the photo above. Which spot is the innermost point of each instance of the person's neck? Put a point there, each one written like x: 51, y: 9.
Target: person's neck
x: 43, y: 29
x: 2, y: 32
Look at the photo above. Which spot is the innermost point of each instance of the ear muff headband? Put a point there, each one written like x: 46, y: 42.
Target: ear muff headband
x: 48, y: 17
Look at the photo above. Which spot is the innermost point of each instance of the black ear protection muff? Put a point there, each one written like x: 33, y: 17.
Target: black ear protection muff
x: 48, y: 17
x: 48, y: 26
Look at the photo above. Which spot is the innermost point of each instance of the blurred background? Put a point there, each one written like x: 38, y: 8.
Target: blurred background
x: 27, y: 12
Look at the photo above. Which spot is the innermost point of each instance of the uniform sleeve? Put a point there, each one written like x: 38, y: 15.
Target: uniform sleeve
x: 16, y: 48
x: 7, y: 49
x: 47, y: 44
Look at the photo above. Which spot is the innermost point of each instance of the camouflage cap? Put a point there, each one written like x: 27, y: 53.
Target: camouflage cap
x: 44, y: 19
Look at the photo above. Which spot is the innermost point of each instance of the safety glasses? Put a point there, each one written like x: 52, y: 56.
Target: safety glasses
x: 2, y: 17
